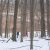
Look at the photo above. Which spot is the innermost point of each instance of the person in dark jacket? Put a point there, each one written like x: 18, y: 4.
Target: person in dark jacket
x: 17, y: 34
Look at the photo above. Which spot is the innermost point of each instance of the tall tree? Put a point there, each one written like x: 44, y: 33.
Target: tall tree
x: 7, y: 21
x: 2, y: 4
x: 15, y: 19
x: 48, y: 17
x: 1, y: 19
x: 42, y: 18
x: 31, y: 23
x: 23, y: 19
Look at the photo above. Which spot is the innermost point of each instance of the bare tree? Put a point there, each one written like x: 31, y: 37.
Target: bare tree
x: 2, y: 4
x: 48, y: 17
x: 42, y: 18
x: 1, y: 19
x: 23, y: 18
x: 15, y: 19
x: 7, y: 21
x: 31, y: 23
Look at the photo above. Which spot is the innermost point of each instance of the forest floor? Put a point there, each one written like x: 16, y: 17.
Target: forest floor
x: 38, y: 44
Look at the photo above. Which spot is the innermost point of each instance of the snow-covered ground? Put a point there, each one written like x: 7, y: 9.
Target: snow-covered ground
x: 38, y: 44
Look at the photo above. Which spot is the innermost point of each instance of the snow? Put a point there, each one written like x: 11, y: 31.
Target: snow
x: 38, y: 44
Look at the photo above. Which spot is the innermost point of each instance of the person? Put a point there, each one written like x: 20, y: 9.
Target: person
x: 17, y: 34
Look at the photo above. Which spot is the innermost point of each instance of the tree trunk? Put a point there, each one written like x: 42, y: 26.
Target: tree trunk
x: 23, y: 19
x: 1, y: 18
x: 1, y: 24
x: 42, y: 18
x: 1, y: 10
x: 15, y: 19
x: 31, y: 23
x: 7, y: 22
x: 48, y: 17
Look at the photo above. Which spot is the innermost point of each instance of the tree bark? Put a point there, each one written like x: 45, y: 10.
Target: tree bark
x: 48, y: 17
x: 23, y: 19
x: 1, y: 10
x: 7, y: 21
x: 15, y: 19
x: 42, y: 18
x: 31, y: 23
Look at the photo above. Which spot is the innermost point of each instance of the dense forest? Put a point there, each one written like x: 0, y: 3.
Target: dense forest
x: 24, y: 16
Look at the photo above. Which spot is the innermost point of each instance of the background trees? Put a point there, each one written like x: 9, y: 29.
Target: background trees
x: 23, y: 15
